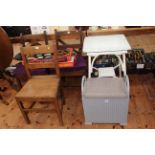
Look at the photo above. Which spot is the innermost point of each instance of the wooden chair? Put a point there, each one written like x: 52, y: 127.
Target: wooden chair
x: 69, y: 39
x: 40, y: 88
x: 19, y: 72
x: 74, y: 40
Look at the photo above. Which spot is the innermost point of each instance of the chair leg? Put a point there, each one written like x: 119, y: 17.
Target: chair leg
x: 62, y: 96
x: 61, y: 93
x: 19, y: 83
x: 20, y: 104
x: 59, y: 113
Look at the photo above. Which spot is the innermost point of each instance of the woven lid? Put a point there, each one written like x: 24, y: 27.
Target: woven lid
x: 105, y: 87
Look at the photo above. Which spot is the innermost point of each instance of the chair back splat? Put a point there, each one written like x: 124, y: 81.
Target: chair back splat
x: 64, y: 41
x: 30, y: 64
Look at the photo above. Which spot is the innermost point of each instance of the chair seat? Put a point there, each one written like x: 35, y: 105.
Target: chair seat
x: 38, y: 88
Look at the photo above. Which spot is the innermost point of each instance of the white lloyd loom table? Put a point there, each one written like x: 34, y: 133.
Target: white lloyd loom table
x: 105, y: 98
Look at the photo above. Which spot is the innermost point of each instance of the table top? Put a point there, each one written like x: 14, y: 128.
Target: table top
x: 106, y: 43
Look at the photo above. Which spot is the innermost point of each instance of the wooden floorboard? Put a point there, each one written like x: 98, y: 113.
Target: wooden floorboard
x: 141, y: 109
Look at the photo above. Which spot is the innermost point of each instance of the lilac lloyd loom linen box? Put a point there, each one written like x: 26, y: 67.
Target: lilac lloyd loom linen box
x: 105, y: 100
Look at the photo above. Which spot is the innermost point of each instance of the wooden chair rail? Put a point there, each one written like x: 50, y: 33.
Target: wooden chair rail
x: 40, y: 65
x: 38, y: 110
x: 42, y: 49
x: 62, y: 47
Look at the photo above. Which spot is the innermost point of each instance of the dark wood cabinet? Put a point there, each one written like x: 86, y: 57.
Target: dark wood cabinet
x: 14, y: 31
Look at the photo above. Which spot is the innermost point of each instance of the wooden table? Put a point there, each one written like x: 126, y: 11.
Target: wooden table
x: 105, y: 45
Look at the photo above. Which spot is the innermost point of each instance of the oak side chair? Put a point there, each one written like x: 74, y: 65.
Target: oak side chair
x: 74, y: 40
x: 41, y: 88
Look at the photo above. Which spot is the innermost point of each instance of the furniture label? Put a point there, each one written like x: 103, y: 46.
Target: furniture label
x: 140, y: 66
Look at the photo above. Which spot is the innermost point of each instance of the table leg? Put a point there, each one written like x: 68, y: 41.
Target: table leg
x: 89, y: 67
x: 124, y: 64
